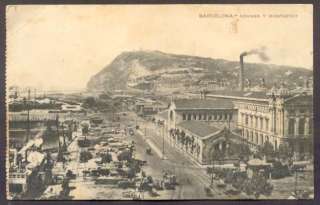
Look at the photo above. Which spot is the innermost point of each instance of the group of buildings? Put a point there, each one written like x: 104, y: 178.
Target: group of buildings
x: 222, y: 120
x: 36, y: 130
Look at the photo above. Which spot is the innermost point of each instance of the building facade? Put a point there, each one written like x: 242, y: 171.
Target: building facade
x: 277, y: 117
x: 219, y: 112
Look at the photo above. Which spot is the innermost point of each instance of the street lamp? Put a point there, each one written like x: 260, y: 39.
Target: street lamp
x: 162, y: 129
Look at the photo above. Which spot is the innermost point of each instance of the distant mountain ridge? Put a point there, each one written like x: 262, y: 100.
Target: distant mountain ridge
x: 134, y: 68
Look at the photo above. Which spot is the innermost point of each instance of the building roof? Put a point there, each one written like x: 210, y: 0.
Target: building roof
x: 300, y: 99
x: 163, y: 115
x: 203, y: 104
x: 198, y: 128
x: 245, y: 94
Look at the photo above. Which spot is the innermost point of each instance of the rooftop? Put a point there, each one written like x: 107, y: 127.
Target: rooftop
x: 203, y: 104
x: 245, y: 94
x: 163, y: 114
x: 199, y: 128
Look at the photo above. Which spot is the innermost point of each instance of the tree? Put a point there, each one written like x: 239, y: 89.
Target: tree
x: 217, y: 155
x: 266, y: 150
x: 285, y: 152
x: 245, y: 152
x: 241, y: 150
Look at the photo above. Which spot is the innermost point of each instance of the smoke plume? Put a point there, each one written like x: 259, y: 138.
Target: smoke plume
x: 260, y: 52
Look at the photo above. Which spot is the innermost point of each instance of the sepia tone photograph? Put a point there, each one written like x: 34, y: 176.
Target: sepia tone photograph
x: 159, y: 102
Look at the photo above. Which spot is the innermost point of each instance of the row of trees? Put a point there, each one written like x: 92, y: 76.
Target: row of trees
x: 188, y: 143
x: 284, y: 152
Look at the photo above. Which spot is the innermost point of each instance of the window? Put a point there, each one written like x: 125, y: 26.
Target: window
x: 256, y: 122
x: 230, y: 116
x: 194, y: 116
x: 301, y: 126
x: 261, y: 139
x: 267, y: 124
x: 205, y: 117
x: 199, y: 117
x: 189, y: 116
x: 310, y: 126
x: 226, y: 116
x: 210, y: 117
x: 261, y: 123
x: 257, y: 138
x: 247, y: 120
x: 291, y: 127
x: 251, y: 121
x: 184, y: 116
x: 215, y: 116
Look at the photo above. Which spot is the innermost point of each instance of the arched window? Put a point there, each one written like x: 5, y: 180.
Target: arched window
x: 184, y: 116
x: 267, y: 124
x: 189, y: 116
x: 311, y: 126
x: 291, y: 127
x: 251, y: 136
x: 301, y: 126
x: 194, y: 116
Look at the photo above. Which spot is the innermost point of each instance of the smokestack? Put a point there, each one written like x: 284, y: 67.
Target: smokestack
x: 306, y: 83
x: 260, y: 53
x: 241, y: 81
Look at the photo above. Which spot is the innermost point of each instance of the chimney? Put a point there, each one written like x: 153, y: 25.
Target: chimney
x: 241, y: 72
x: 306, y: 83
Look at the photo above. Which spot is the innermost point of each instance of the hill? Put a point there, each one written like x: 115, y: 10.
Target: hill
x: 150, y: 69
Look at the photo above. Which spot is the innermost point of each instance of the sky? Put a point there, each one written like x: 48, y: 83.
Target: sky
x: 62, y: 46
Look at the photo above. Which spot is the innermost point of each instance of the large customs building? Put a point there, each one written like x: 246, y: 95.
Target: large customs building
x: 277, y: 117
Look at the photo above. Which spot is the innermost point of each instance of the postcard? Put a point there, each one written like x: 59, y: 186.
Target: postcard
x: 159, y: 102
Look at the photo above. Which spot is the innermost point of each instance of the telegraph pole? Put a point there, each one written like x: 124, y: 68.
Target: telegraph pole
x: 296, y: 183
x: 162, y: 141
